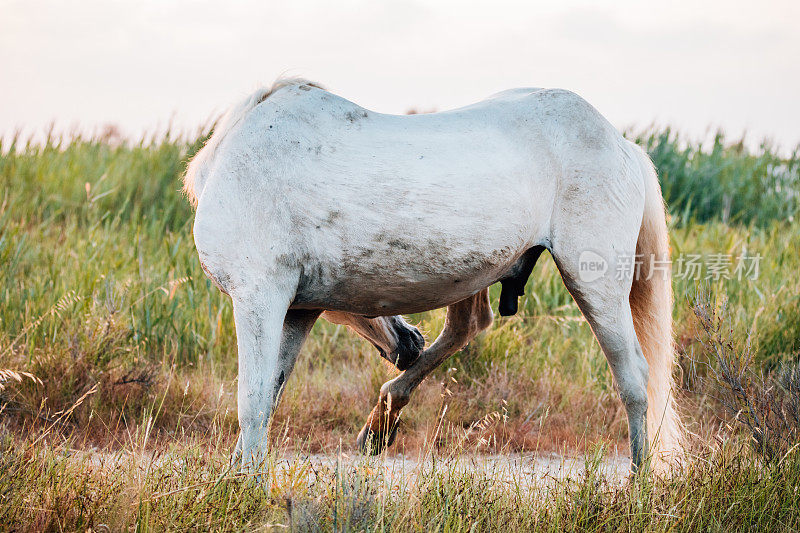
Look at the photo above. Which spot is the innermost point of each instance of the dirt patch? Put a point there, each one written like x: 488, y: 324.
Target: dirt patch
x: 518, y: 470
x: 514, y: 470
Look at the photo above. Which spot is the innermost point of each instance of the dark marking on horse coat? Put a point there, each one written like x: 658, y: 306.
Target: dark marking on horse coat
x: 279, y: 385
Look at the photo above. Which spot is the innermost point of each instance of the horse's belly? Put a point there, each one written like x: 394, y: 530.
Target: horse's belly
x: 377, y: 282
x: 407, y: 255
x: 392, y: 298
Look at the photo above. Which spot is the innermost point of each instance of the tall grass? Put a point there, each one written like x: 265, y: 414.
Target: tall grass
x: 725, y: 181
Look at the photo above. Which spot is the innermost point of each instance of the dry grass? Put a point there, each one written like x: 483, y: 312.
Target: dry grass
x: 766, y: 403
x: 48, y: 487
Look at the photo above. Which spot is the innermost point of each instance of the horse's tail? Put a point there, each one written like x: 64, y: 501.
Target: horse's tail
x: 651, y: 306
x: 194, y: 179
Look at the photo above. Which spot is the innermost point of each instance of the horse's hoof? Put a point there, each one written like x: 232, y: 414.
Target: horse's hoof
x: 410, y: 345
x: 373, y: 443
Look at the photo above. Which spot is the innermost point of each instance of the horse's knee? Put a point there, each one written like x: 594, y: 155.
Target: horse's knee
x: 396, y: 394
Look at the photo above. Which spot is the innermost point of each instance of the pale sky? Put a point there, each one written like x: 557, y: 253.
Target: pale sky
x: 141, y: 64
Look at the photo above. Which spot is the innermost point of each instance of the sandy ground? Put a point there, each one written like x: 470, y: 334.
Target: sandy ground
x: 511, y: 470
x: 524, y: 470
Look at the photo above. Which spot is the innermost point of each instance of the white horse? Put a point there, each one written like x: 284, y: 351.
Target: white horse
x: 308, y: 203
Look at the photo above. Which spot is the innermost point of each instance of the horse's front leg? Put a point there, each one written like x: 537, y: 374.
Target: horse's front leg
x: 397, y: 341
x: 269, y: 338
x: 464, y: 320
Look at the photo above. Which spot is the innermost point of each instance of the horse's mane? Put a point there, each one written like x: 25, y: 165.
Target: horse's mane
x: 194, y: 178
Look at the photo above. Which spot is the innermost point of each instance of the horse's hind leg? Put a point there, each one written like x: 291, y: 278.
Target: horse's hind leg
x: 464, y: 320
x: 603, y: 298
x: 269, y: 337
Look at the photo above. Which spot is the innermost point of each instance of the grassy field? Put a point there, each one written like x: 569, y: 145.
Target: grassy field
x: 112, y: 339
